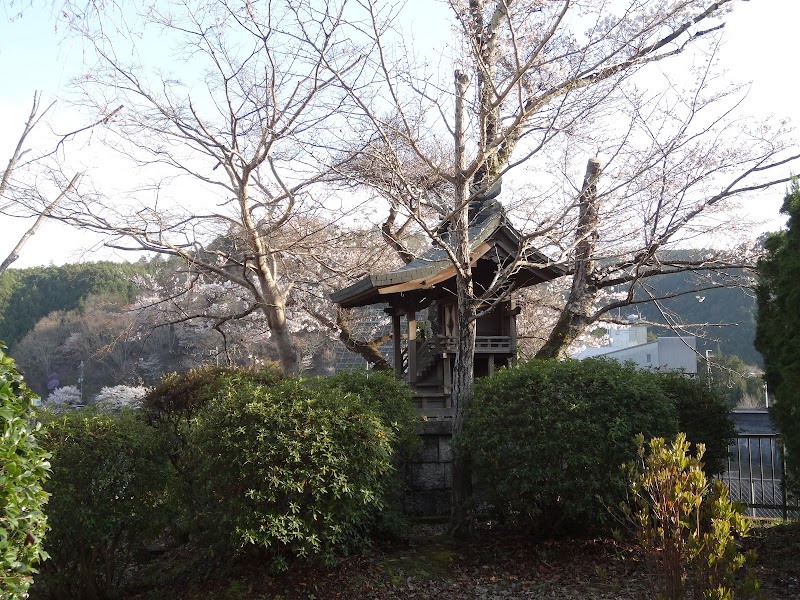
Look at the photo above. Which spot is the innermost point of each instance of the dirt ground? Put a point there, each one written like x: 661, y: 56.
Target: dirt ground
x: 495, y: 565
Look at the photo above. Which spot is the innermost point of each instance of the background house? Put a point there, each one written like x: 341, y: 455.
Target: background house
x: 630, y: 344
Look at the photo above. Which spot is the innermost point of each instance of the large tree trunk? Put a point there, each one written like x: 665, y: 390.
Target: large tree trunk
x: 578, y: 312
x: 287, y: 353
x: 463, y: 379
x: 270, y: 296
x: 464, y: 368
x: 273, y: 307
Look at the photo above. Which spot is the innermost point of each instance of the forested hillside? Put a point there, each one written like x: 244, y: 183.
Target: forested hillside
x: 98, y: 325
x: 703, y: 310
x: 27, y: 295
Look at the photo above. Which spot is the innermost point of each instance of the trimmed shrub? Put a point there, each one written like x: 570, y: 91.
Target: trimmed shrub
x: 171, y: 407
x: 704, y: 416
x: 179, y: 397
x: 391, y: 400
x: 107, y: 500
x: 383, y: 393
x: 23, y: 470
x: 547, y: 439
x: 289, y: 469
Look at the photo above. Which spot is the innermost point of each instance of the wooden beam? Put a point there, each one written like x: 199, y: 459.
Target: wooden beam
x: 398, y: 351
x: 412, y: 347
x: 408, y: 286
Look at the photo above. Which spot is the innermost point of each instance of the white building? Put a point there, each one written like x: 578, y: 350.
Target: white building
x: 630, y: 345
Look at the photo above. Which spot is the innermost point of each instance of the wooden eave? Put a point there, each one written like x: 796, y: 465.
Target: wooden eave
x: 433, y: 269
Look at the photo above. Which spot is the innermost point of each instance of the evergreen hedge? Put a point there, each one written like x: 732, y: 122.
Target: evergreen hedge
x: 108, y: 500
x: 547, y: 438
x: 294, y: 469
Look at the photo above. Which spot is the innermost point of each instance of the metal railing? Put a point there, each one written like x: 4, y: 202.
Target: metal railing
x: 756, y: 476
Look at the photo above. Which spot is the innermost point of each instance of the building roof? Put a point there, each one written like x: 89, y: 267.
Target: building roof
x: 491, y: 236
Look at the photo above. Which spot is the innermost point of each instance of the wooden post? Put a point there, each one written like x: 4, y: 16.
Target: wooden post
x: 412, y: 347
x: 784, y: 496
x: 398, y: 350
x: 491, y: 365
x: 447, y: 379
x: 512, y: 332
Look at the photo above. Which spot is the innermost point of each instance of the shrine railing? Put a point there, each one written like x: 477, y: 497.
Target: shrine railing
x: 484, y: 344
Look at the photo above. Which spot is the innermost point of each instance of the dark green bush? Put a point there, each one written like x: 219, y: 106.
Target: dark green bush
x: 178, y: 397
x: 383, y: 393
x: 23, y: 469
x: 391, y: 400
x: 108, y: 498
x: 547, y: 439
x: 292, y: 469
x: 171, y: 407
x: 703, y: 415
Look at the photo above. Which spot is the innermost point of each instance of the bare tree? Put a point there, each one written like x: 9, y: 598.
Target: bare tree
x: 236, y: 132
x: 548, y: 84
x: 19, y: 196
x: 670, y: 182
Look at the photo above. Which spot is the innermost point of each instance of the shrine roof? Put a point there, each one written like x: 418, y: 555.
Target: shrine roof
x: 434, y: 267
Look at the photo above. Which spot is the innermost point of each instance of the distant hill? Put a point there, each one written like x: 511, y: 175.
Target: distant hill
x: 724, y: 305
x: 27, y: 295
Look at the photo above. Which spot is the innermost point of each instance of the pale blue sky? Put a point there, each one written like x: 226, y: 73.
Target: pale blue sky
x: 34, y: 55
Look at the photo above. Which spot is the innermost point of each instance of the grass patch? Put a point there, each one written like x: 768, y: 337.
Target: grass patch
x: 423, y: 564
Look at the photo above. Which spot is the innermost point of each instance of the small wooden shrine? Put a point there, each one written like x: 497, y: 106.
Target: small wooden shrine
x: 424, y: 350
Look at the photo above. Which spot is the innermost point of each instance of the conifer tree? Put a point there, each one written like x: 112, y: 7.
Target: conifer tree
x: 778, y: 328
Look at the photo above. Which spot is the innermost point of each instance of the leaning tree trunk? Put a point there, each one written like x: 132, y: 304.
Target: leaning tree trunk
x: 271, y: 298
x: 464, y: 367
x: 578, y: 312
x: 366, y: 349
x: 46, y: 212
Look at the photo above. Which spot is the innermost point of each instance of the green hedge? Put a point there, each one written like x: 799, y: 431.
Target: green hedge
x: 382, y: 393
x: 23, y: 470
x: 177, y: 397
x: 703, y: 415
x: 108, y: 500
x: 233, y: 461
x: 291, y: 470
x: 547, y: 439
x: 287, y: 467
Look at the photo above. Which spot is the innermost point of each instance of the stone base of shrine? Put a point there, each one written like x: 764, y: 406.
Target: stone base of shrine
x: 429, y: 471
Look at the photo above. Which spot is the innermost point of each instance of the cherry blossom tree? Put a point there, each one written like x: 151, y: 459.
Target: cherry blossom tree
x: 235, y: 133
x: 120, y: 396
x: 545, y: 86
x: 64, y: 398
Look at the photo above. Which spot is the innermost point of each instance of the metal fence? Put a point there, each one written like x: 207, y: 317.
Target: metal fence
x: 756, y: 476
